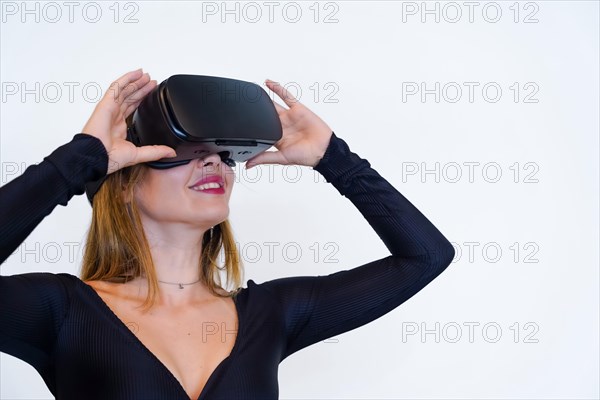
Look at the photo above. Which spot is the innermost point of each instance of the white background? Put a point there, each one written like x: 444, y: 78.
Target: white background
x: 541, y: 290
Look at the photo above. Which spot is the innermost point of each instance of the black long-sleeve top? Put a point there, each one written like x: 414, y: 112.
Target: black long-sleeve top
x: 62, y: 327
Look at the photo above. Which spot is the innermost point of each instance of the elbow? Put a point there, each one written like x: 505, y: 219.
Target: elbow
x: 447, y: 255
x: 441, y: 258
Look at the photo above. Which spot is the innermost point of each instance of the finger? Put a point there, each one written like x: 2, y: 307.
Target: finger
x: 129, y: 93
x: 116, y: 87
x: 267, y: 157
x: 153, y: 153
x: 131, y: 87
x: 280, y: 109
x: 130, y: 109
x: 282, y: 92
x: 129, y: 106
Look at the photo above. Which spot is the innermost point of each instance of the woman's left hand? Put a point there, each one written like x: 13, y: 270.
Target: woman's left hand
x: 305, y: 136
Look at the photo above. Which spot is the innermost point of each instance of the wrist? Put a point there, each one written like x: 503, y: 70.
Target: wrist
x: 325, y: 145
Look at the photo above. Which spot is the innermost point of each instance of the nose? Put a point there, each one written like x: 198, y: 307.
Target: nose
x: 213, y: 159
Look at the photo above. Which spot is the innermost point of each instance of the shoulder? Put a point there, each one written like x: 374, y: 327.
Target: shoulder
x: 43, y: 280
x: 38, y: 289
x: 115, y: 291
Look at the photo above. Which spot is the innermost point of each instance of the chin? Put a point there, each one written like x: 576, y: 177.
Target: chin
x: 216, y: 214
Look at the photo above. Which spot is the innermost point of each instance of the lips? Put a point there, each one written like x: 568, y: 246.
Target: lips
x: 209, y: 179
x: 211, y: 184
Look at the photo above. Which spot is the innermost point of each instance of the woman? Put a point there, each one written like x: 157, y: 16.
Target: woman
x: 149, y: 318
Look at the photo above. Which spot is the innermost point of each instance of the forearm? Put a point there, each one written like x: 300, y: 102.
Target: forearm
x: 401, y: 226
x: 28, y: 199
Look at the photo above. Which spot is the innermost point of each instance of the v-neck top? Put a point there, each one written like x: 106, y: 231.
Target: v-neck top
x: 59, y: 325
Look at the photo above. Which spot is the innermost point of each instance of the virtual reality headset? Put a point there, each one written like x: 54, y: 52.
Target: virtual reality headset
x: 199, y: 115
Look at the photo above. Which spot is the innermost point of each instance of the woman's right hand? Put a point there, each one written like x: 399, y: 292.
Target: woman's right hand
x: 107, y: 122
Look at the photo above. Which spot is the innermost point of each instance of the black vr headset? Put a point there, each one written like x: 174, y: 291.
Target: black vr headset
x: 199, y: 115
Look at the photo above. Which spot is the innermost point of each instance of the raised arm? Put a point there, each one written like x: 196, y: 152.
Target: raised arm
x: 33, y: 305
x: 315, y: 308
x: 101, y: 148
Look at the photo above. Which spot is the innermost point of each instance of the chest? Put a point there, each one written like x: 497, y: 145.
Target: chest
x: 190, y: 343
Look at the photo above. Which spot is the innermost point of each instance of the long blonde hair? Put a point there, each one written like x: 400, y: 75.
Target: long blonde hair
x: 117, y: 249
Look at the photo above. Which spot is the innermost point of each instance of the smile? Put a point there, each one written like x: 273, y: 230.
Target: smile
x: 211, y: 187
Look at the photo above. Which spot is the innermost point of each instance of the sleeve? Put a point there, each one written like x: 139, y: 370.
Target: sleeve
x: 315, y: 308
x: 28, y: 199
x: 33, y: 305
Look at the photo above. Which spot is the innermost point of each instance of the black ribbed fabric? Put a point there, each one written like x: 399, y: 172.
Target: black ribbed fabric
x: 82, y: 350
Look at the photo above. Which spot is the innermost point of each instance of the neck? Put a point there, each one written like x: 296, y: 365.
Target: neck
x: 176, y: 251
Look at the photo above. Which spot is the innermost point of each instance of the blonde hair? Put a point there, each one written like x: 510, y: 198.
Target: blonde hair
x: 117, y: 249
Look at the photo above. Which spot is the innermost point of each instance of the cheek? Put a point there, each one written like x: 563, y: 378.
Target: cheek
x: 229, y: 176
x: 159, y: 194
